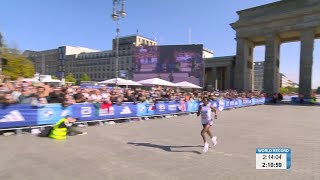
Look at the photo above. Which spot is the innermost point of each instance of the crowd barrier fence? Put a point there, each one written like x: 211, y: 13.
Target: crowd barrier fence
x: 22, y: 115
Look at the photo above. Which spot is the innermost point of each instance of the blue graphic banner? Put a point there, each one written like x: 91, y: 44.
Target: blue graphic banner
x: 52, y: 113
x: 145, y: 109
x: 246, y: 102
x: 239, y: 102
x: 192, y: 106
x: 125, y: 110
x: 25, y: 115
x: 260, y: 100
x: 169, y: 107
x: 17, y: 116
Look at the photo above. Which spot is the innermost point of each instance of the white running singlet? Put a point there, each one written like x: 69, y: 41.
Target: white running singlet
x: 206, y: 114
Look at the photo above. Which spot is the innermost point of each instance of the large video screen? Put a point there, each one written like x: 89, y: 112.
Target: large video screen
x: 174, y: 63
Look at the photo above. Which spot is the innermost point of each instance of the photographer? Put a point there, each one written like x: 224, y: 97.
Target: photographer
x: 63, y: 128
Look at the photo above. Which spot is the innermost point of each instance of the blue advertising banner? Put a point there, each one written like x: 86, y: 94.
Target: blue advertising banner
x: 182, y: 106
x: 221, y: 105
x: 234, y: 103
x: 227, y: 104
x: 17, y: 116
x: 240, y: 103
x: 170, y: 107
x: 52, y: 113
x: 253, y: 101
x: 145, y: 109
x: 246, y: 102
x: 26, y: 115
x: 87, y: 112
x: 260, y: 100
x: 192, y: 106
x: 215, y: 104
x: 84, y: 112
x: 125, y: 110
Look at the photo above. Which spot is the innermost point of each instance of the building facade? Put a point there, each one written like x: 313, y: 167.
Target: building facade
x: 219, y: 73
x: 286, y: 82
x: 99, y: 65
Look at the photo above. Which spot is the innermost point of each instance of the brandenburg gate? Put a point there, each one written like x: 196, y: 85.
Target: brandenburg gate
x: 270, y: 25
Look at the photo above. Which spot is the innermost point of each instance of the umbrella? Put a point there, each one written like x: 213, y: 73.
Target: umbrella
x: 133, y: 83
x: 187, y: 85
x: 118, y: 81
x: 156, y: 81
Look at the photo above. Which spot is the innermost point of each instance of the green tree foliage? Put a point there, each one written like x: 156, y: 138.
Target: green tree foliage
x: 54, y: 77
x: 1, y: 40
x: 16, y: 65
x: 70, y: 78
x: 289, y: 90
x: 284, y: 90
x: 318, y: 90
x: 85, y: 77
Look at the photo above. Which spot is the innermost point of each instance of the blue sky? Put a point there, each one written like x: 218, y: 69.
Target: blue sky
x: 40, y: 25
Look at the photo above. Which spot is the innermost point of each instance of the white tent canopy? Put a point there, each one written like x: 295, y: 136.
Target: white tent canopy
x: 156, y: 81
x: 133, y: 83
x: 187, y: 85
x: 120, y: 81
x: 30, y: 80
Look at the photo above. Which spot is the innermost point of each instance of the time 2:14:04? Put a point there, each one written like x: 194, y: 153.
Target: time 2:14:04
x: 271, y: 156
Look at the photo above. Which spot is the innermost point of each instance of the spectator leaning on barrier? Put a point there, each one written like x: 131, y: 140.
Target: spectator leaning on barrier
x: 68, y: 100
x: 79, y: 96
x: 25, y: 97
x: 56, y: 96
x: 39, y: 98
x: 16, y: 93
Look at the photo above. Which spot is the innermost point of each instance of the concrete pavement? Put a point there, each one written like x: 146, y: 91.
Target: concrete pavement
x: 170, y: 148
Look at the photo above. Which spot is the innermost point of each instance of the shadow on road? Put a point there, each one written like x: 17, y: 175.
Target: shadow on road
x: 165, y: 148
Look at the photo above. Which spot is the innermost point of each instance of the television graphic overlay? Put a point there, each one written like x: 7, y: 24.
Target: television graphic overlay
x: 173, y: 63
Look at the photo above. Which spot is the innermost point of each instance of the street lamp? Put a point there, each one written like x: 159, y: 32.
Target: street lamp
x: 117, y: 13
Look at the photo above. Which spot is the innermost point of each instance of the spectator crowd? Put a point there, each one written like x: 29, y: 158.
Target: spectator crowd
x: 22, y: 92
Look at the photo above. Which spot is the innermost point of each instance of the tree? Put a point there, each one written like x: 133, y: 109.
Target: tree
x: 318, y: 90
x: 85, y: 77
x: 1, y: 40
x: 70, y: 78
x: 284, y: 90
x: 16, y: 65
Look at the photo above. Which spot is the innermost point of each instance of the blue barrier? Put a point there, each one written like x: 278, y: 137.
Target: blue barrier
x: 192, y: 106
x: 52, y: 113
x: 21, y: 115
x: 297, y: 100
x: 17, y: 116
x: 145, y: 109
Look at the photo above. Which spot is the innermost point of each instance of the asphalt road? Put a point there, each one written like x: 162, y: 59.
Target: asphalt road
x: 171, y: 148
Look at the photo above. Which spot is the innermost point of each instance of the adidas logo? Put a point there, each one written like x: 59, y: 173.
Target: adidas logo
x: 126, y: 110
x: 13, y: 116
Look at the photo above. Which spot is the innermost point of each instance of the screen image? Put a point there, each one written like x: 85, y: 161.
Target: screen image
x: 174, y: 63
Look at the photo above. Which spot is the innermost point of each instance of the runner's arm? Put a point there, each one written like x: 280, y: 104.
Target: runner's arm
x: 213, y: 109
x: 199, y: 110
